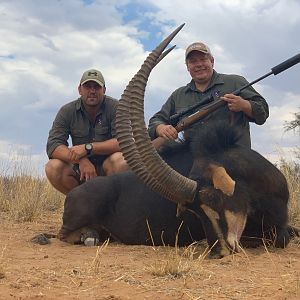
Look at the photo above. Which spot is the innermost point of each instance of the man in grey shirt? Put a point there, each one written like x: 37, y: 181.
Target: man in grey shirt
x: 248, y: 106
x: 90, y: 122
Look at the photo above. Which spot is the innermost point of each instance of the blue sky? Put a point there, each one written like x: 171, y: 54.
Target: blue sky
x: 46, y: 45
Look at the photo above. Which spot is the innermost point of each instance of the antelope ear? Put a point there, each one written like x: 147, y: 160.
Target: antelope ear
x: 222, y: 180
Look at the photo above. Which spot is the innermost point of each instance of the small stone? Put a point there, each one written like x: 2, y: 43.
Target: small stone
x: 40, y: 239
x: 91, y: 241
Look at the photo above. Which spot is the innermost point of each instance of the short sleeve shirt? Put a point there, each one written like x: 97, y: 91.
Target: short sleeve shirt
x: 73, y: 121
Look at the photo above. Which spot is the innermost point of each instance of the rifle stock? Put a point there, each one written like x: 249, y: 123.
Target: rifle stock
x: 200, y: 114
x: 191, y: 119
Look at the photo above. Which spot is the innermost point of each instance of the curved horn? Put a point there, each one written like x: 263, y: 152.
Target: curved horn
x: 135, y: 142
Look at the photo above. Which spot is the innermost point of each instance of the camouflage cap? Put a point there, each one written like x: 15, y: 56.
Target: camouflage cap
x: 92, y: 75
x: 198, y: 46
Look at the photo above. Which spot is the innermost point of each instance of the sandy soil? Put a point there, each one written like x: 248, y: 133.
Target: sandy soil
x: 115, y: 271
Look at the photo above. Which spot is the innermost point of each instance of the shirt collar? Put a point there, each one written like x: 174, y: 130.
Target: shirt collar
x: 79, y: 105
x: 215, y: 80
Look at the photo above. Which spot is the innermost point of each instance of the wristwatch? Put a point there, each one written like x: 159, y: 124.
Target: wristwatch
x: 88, y: 147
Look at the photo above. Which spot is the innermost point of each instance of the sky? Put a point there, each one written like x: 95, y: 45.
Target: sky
x: 45, y: 47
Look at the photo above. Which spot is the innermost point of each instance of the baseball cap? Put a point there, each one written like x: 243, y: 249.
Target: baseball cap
x: 198, y: 46
x: 92, y: 75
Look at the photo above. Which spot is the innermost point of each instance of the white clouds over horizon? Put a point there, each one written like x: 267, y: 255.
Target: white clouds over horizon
x: 45, y: 48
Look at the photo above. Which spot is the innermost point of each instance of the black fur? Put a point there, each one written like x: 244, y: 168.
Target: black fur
x: 130, y: 211
x: 261, y: 188
x: 123, y: 205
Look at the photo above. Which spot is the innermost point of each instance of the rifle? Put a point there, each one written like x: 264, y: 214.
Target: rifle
x: 211, y: 107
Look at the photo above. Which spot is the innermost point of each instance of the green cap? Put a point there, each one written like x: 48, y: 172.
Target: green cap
x: 92, y: 75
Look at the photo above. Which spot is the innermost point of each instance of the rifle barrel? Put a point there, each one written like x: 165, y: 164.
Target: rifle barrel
x: 286, y: 64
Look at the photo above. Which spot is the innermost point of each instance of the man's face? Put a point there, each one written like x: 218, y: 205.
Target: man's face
x: 92, y: 93
x: 200, y: 66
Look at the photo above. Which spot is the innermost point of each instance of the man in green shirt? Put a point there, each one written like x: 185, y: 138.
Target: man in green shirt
x: 90, y: 122
x: 248, y: 106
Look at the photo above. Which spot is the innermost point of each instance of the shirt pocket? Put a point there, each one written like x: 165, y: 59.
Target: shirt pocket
x: 102, y: 133
x: 79, y: 136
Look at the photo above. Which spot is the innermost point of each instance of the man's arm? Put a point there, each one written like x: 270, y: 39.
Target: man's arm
x: 168, y: 132
x: 63, y: 153
x: 237, y: 104
x: 99, y: 148
x: 260, y: 109
x: 249, y: 101
x: 162, y: 117
x: 106, y: 147
x: 58, y: 137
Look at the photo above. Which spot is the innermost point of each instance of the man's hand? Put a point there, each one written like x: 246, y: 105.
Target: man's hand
x: 87, y: 169
x: 237, y: 103
x: 76, y: 153
x: 166, y: 131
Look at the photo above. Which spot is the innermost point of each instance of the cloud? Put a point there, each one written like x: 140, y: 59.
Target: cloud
x: 45, y: 47
x: 16, y: 159
x: 40, y: 66
x: 247, y: 38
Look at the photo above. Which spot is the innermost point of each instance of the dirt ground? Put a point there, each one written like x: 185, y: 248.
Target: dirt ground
x: 115, y: 271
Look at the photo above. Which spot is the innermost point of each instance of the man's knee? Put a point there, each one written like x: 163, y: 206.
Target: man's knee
x: 61, y: 175
x: 114, y: 164
x: 57, y: 171
x: 53, y: 167
x: 49, y: 168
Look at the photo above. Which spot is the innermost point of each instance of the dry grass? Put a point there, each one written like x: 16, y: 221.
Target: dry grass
x: 292, y: 174
x: 2, y: 263
x: 180, y: 262
x: 177, y: 262
x: 25, y: 197
x: 173, y: 265
x: 152, y: 272
x: 95, y: 267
